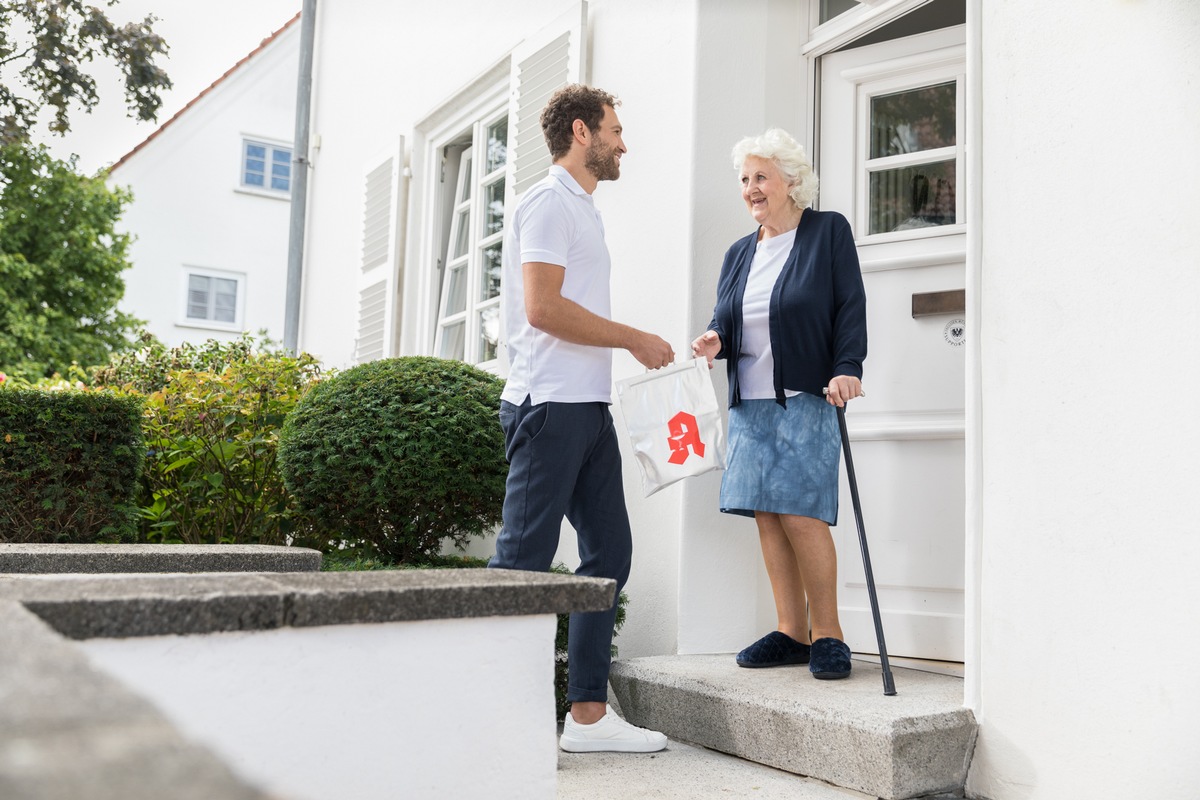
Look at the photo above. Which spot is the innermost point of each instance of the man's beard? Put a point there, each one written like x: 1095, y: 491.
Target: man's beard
x: 602, y: 162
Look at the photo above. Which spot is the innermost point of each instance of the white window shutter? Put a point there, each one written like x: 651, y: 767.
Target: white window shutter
x: 540, y: 65
x: 385, y: 193
x: 543, y: 63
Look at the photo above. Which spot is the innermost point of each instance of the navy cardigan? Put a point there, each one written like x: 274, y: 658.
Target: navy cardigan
x: 818, y: 310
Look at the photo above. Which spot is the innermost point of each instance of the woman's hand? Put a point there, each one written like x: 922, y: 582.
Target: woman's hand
x: 707, y: 344
x: 843, y: 389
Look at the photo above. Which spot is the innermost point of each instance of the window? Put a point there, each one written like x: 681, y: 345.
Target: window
x: 912, y: 158
x: 266, y: 166
x: 212, y: 299
x: 468, y: 322
x: 834, y: 8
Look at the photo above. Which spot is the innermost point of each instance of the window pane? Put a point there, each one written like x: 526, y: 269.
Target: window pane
x: 255, y: 151
x: 453, y: 340
x: 456, y: 290
x: 466, y: 167
x: 491, y: 272
x: 913, y: 197
x: 281, y: 184
x: 493, y: 211
x: 489, y: 332
x: 253, y: 179
x: 197, y: 307
x: 224, y: 299
x: 281, y: 156
x: 497, y: 145
x: 832, y: 8
x: 914, y: 120
x: 462, y: 233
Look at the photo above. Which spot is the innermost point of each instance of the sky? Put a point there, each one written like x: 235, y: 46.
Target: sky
x: 206, y: 39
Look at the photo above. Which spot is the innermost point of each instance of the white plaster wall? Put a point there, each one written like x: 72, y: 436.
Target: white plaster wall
x: 432, y: 709
x: 187, y: 209
x: 749, y: 77
x: 645, y: 54
x: 1089, y: 426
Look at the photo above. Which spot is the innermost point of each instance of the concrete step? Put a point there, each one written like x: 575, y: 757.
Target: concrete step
x: 844, y: 732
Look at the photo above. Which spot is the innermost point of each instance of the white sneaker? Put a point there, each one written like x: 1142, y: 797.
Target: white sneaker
x: 609, y: 734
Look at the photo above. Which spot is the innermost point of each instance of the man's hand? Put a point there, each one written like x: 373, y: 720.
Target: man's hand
x: 652, y: 351
x: 547, y: 310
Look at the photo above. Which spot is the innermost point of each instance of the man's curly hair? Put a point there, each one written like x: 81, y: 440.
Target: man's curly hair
x: 567, y: 105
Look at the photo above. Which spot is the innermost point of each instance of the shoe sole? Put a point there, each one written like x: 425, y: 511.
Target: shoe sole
x: 831, y: 676
x: 610, y: 747
x: 748, y: 665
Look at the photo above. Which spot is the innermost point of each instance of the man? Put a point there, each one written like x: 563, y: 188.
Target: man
x: 559, y: 436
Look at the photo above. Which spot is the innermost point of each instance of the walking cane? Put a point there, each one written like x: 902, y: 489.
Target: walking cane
x: 889, y: 686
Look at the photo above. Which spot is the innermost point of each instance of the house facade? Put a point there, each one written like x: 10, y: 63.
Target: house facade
x: 1021, y: 179
x: 211, y: 197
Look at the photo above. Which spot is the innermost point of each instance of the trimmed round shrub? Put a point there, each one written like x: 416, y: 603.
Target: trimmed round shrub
x: 398, y: 455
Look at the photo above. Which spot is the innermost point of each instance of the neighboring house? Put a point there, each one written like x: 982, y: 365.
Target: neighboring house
x: 1025, y: 455
x: 211, y: 198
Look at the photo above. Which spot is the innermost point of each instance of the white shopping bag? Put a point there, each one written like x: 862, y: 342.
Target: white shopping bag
x: 674, y: 423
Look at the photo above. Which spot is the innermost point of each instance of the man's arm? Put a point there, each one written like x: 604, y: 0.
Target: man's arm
x: 548, y: 311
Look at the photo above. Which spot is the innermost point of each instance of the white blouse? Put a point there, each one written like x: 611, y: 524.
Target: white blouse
x: 756, y: 366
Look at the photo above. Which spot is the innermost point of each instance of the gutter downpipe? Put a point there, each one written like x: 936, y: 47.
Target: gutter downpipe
x: 301, y: 165
x: 974, y: 400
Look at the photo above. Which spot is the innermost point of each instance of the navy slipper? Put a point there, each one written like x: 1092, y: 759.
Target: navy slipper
x: 830, y: 659
x: 776, y: 649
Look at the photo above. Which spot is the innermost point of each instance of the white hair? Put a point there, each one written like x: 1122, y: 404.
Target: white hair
x: 788, y: 156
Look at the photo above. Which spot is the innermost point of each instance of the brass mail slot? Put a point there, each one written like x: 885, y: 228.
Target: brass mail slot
x: 928, y: 304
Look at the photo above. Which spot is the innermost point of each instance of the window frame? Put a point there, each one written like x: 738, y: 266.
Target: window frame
x: 900, y: 76
x: 186, y: 321
x: 486, y: 98
x: 273, y: 145
x: 478, y: 241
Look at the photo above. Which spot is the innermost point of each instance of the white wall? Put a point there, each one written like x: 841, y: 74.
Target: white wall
x: 749, y: 76
x: 381, y: 67
x: 643, y: 52
x: 187, y: 209
x: 1089, y: 427
x: 347, y: 711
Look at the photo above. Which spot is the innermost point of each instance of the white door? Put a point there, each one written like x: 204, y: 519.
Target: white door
x: 890, y: 157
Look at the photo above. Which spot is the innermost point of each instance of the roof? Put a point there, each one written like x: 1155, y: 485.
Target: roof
x: 262, y: 46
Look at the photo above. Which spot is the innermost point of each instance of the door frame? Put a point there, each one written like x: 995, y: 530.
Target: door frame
x: 831, y: 38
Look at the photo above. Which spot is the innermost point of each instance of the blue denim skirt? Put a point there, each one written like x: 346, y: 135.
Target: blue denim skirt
x: 783, y: 460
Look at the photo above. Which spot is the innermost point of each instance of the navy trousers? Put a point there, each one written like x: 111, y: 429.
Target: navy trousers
x: 564, y: 462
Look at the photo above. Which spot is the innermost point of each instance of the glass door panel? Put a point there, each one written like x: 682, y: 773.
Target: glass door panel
x: 913, y: 120
x: 489, y: 332
x: 912, y: 197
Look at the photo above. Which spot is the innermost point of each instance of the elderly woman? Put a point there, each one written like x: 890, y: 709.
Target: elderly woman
x: 790, y: 321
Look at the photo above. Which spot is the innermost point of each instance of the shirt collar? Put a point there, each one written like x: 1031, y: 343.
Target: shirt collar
x: 567, y: 179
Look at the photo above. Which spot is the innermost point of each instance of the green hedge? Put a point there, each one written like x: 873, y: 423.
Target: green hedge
x: 69, y: 465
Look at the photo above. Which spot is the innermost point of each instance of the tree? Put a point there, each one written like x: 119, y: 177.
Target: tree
x: 44, y: 47
x: 60, y: 265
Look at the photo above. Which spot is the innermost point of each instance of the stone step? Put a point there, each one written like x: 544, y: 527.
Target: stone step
x: 844, y: 732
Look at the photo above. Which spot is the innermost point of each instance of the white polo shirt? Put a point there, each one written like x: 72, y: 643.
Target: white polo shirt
x: 556, y: 223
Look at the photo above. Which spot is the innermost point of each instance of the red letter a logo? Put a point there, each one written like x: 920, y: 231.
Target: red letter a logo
x: 685, y: 433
